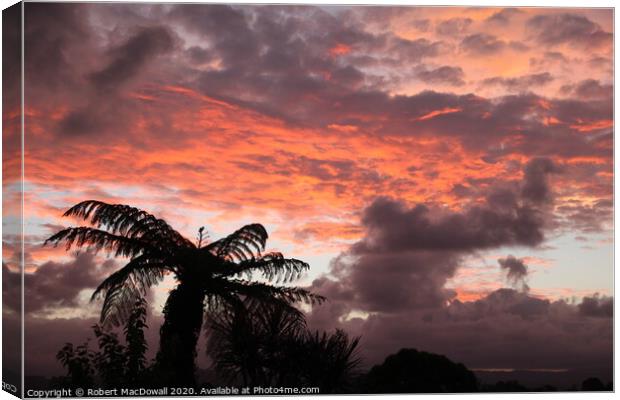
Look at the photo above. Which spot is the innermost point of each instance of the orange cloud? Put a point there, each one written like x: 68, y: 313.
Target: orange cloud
x: 339, y: 50
x: 436, y: 113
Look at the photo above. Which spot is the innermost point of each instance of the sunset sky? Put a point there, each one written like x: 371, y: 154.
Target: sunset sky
x: 420, y: 159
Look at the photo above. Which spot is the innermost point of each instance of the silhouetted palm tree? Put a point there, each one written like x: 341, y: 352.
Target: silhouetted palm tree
x: 207, y: 275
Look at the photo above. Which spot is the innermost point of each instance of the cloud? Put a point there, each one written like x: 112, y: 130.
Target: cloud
x: 594, y: 217
x: 516, y: 270
x: 504, y: 16
x: 129, y: 58
x: 589, y: 89
x: 105, y: 108
x: 549, y: 59
x: 482, y: 44
x: 597, y: 306
x: 520, y: 83
x: 571, y: 29
x: 422, y: 25
x: 535, y: 185
x: 445, y: 74
x: 200, y: 55
x: 453, y: 26
x: 54, y: 284
x: 53, y: 45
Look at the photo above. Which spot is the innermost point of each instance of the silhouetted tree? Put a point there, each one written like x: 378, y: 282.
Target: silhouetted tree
x: 412, y: 371
x: 262, y: 344
x: 207, y: 274
x: 78, y: 362
x: 110, y: 361
x: 546, y: 388
x: 592, y: 385
x: 114, y: 364
x: 247, y: 340
x: 135, y: 352
x: 505, y: 387
x: 330, y: 360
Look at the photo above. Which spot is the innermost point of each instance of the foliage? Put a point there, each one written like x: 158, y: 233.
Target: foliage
x: 78, y: 362
x: 412, y: 371
x: 114, y: 364
x: 262, y: 344
x: 593, y: 384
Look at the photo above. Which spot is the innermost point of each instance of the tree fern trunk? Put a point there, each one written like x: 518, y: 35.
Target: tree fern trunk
x: 183, y: 315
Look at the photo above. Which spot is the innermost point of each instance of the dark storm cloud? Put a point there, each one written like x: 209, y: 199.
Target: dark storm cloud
x: 50, y: 35
x: 515, y: 268
x: 394, y: 227
x: 11, y: 66
x: 226, y: 26
x: 520, y: 83
x: 53, y: 284
x: 514, y: 220
x: 535, y: 184
x: 391, y: 282
x: 589, y: 89
x: 129, y: 58
x: 105, y: 109
x: 568, y: 28
x: 445, y: 74
x: 482, y: 44
x: 597, y: 306
x: 453, y: 26
x: 199, y: 55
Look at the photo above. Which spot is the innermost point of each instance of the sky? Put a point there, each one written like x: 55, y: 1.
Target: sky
x: 446, y: 172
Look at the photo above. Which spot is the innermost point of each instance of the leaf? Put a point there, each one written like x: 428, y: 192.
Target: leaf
x: 243, y: 244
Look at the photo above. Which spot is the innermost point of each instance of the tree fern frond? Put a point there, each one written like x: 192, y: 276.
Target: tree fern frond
x: 98, y: 239
x: 128, y: 221
x: 263, y: 291
x: 123, y: 288
x: 273, y: 266
x: 244, y: 244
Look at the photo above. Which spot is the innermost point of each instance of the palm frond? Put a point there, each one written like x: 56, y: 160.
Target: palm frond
x: 246, y: 243
x: 128, y: 221
x: 98, y: 239
x: 273, y: 266
x: 124, y: 287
